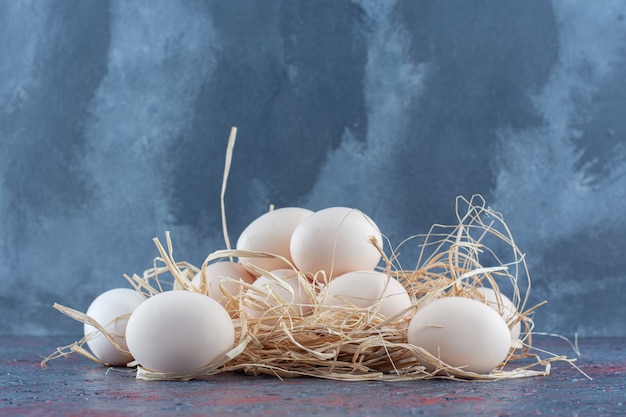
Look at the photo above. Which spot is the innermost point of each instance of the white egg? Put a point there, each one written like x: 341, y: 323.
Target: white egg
x: 297, y: 300
x: 367, y: 289
x: 461, y: 332
x: 505, y: 307
x: 271, y: 233
x: 217, y: 275
x: 179, y: 331
x: 111, y: 310
x: 336, y: 240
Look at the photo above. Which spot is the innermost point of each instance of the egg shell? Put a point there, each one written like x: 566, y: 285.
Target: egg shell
x: 179, y: 331
x: 298, y: 300
x: 106, y: 309
x: 505, y: 307
x: 217, y: 275
x: 271, y: 233
x: 461, y: 332
x: 367, y: 289
x: 336, y: 240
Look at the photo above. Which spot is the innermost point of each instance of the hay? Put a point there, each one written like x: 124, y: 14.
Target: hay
x: 350, y: 343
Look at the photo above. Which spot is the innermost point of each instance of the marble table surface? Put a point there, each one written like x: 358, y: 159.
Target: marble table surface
x: 75, y: 386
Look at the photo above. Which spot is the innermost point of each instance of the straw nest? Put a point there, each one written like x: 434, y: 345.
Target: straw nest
x: 350, y: 343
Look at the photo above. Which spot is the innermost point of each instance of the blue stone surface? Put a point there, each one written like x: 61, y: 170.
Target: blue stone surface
x: 114, y: 117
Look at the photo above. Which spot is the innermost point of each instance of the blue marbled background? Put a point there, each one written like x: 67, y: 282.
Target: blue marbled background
x: 114, y: 117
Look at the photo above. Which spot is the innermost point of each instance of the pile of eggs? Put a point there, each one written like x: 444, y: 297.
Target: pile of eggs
x: 299, y: 260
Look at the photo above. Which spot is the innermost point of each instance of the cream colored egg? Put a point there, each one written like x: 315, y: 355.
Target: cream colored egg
x: 221, y: 274
x: 367, y: 290
x: 179, y: 331
x: 505, y: 307
x: 461, y: 332
x: 288, y: 294
x: 111, y: 310
x: 271, y: 233
x: 336, y: 240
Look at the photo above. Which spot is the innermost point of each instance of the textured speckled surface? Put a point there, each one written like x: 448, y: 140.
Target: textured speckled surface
x: 114, y: 117
x: 76, y: 387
